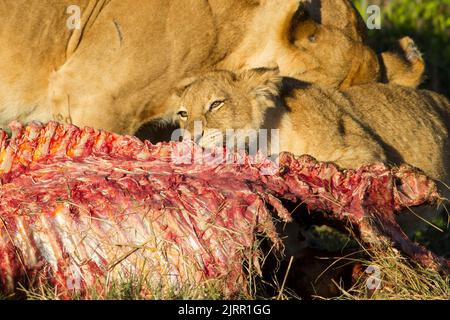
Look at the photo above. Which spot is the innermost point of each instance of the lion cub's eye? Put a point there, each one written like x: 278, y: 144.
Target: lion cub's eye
x: 183, y: 114
x: 216, y: 105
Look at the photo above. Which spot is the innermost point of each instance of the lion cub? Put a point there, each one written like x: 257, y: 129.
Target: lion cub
x: 368, y: 123
x: 353, y: 127
x: 339, y: 60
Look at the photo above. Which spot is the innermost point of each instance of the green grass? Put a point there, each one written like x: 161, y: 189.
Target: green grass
x: 400, y: 279
x: 428, y: 23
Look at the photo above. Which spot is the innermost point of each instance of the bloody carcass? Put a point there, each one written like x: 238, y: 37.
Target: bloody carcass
x: 80, y: 208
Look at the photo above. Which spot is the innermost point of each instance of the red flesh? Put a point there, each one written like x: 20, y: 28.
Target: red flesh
x: 102, y: 205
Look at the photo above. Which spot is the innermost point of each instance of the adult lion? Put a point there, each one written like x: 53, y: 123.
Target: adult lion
x: 115, y: 71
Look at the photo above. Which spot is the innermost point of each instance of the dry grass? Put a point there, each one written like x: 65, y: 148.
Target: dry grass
x: 401, y: 279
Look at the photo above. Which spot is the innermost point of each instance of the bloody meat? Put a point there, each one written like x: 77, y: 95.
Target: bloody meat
x: 80, y: 208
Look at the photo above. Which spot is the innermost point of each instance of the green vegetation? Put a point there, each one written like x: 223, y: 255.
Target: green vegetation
x: 136, y: 289
x: 427, y: 22
x: 400, y: 278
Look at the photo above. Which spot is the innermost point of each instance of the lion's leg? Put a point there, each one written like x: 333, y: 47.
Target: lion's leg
x: 405, y: 68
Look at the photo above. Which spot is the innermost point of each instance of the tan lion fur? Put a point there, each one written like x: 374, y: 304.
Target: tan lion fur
x: 324, y: 45
x: 405, y: 66
x: 116, y: 71
x: 360, y: 125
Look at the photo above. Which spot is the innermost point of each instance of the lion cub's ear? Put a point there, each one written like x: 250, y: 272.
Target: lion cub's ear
x: 182, y: 85
x: 172, y: 103
x: 263, y: 83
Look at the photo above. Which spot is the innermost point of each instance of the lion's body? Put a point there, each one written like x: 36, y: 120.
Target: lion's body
x: 368, y: 123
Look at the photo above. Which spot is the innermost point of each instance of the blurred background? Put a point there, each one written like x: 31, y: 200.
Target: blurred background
x: 428, y: 23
